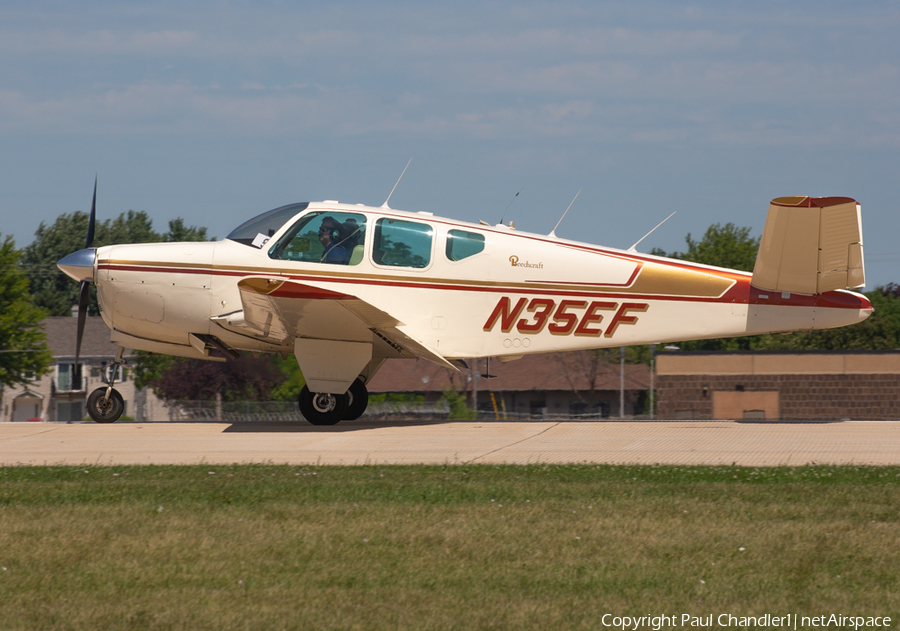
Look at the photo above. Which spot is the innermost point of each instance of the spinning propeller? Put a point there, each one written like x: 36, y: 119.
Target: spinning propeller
x: 80, y: 266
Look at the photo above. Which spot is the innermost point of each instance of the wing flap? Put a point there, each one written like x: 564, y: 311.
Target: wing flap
x: 389, y: 329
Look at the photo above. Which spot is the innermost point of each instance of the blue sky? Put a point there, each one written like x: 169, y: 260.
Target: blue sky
x: 216, y: 111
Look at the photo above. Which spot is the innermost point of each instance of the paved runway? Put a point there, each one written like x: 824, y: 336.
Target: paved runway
x: 672, y: 442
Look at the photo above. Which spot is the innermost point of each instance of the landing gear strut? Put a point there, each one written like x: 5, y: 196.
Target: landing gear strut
x: 105, y: 404
x: 327, y: 409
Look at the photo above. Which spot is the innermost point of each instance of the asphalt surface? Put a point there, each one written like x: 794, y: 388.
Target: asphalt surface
x: 398, y: 442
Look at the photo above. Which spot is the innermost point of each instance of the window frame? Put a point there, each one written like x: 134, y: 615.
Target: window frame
x: 377, y: 235
x: 73, y: 370
x: 448, y: 239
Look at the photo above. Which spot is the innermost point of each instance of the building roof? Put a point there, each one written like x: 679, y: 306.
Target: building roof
x: 61, y: 333
x: 553, y: 371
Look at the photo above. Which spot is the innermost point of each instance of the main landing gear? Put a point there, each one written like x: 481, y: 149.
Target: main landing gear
x: 105, y: 404
x: 327, y: 409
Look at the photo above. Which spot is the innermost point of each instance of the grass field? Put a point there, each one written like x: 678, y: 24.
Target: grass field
x: 454, y: 547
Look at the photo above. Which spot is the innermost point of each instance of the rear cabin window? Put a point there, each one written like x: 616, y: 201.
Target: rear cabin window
x: 330, y: 237
x: 402, y: 243
x: 462, y: 244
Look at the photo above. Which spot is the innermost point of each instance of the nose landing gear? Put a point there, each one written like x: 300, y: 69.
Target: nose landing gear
x: 105, y: 404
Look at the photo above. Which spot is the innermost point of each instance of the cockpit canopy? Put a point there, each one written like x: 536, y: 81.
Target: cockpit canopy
x: 262, y: 227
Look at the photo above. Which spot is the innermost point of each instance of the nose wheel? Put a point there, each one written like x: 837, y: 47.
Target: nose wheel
x: 105, y: 404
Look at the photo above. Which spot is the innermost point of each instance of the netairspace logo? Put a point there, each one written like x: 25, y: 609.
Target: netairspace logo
x: 788, y: 621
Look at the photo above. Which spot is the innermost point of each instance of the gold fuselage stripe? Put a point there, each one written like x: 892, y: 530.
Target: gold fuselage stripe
x: 652, y: 279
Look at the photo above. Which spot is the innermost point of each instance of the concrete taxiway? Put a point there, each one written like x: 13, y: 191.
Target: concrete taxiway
x: 399, y: 442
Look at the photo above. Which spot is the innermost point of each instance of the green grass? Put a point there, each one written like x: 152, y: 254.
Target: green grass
x: 454, y: 547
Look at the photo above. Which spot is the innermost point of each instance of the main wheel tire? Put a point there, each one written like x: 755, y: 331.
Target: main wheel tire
x: 358, y: 398
x: 322, y: 409
x: 105, y: 409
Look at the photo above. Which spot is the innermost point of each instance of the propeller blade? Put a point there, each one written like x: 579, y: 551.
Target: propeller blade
x: 83, y: 300
x: 90, y: 234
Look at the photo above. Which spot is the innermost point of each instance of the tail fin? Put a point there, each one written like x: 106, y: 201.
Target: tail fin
x: 811, y: 245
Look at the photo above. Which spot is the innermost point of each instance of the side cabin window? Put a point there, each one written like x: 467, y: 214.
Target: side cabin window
x: 401, y: 243
x: 462, y: 244
x: 333, y: 237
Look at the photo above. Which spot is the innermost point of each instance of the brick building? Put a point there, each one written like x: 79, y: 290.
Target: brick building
x: 795, y: 386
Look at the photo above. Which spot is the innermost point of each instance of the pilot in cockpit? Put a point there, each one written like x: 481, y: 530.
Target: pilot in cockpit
x: 338, y: 239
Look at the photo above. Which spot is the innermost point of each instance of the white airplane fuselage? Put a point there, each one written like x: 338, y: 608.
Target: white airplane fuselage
x: 520, y: 294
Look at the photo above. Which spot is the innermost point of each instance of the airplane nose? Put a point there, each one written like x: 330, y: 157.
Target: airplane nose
x: 79, y: 265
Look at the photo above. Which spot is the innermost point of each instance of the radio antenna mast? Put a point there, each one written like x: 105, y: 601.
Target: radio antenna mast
x: 553, y: 232
x: 385, y: 204
x: 632, y: 248
x: 510, y: 204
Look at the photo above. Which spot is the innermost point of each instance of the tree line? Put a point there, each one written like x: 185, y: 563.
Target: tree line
x: 32, y: 287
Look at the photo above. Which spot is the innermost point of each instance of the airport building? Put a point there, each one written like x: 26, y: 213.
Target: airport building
x: 776, y: 385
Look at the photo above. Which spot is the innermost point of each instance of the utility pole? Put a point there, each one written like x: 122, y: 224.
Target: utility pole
x: 621, y: 382
x: 652, y: 392
x: 475, y: 386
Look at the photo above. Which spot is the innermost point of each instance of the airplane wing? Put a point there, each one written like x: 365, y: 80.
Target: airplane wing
x: 279, y: 309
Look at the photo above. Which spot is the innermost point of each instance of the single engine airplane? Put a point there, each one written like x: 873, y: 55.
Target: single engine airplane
x: 343, y: 287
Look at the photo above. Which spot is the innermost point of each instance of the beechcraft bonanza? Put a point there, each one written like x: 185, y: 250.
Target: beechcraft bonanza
x: 344, y: 287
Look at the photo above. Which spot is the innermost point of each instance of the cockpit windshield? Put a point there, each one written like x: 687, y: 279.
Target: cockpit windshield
x: 261, y: 228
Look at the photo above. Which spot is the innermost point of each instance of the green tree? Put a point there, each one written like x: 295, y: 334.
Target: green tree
x: 723, y: 246
x: 178, y: 232
x: 56, y: 292
x: 268, y: 377
x: 24, y: 354
x: 291, y: 379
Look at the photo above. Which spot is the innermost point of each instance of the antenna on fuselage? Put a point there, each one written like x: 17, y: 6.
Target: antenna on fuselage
x: 385, y: 204
x: 553, y: 232
x: 632, y: 248
x: 510, y: 204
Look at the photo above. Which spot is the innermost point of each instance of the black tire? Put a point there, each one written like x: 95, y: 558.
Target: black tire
x: 103, y: 409
x: 322, y: 409
x: 358, y: 398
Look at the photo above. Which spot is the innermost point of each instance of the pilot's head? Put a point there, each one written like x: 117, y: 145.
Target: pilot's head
x: 329, y: 231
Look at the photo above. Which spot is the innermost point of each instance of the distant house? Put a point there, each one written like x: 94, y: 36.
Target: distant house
x: 572, y: 383
x: 60, y: 396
